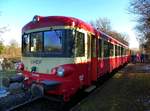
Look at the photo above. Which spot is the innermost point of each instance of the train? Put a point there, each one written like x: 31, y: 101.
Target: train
x: 61, y: 55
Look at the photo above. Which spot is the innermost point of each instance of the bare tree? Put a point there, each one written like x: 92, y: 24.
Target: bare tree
x: 14, y: 43
x: 104, y: 25
x: 3, y: 29
x: 13, y: 49
x: 1, y: 47
x: 123, y: 37
x: 141, y: 8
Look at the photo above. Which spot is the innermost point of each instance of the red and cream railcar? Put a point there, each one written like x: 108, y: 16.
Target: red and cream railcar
x: 63, y: 54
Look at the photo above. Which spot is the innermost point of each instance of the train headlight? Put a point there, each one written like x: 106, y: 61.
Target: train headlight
x: 36, y: 18
x: 20, y: 67
x: 60, y: 71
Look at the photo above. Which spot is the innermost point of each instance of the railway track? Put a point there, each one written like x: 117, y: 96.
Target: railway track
x: 45, y: 104
x: 40, y: 104
x: 25, y: 102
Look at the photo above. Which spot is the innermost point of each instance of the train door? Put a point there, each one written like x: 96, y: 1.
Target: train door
x: 93, y: 58
x: 81, y: 58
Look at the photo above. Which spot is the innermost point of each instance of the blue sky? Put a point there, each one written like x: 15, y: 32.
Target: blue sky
x: 16, y: 13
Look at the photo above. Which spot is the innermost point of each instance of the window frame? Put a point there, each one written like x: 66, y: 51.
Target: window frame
x: 77, y: 49
x: 107, y: 52
x: 100, y: 48
x: 22, y: 46
x: 116, y: 50
x: 42, y: 42
x: 43, y: 53
x: 111, y: 49
x: 63, y: 44
x: 93, y: 46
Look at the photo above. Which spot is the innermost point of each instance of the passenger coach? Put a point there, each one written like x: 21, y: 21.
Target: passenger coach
x: 61, y: 55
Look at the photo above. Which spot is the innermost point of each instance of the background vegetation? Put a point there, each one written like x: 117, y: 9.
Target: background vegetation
x: 141, y: 10
x: 12, y: 50
x: 104, y: 25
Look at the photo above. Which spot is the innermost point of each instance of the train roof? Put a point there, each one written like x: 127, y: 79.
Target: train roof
x: 57, y: 21
x: 42, y: 21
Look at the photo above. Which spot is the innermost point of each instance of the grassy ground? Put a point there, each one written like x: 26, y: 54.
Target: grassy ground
x: 7, y: 73
x: 128, y: 90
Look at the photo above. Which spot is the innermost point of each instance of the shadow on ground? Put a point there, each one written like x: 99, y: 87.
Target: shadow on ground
x: 127, y: 90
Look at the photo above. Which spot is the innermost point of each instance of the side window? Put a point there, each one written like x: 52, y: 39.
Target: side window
x: 93, y: 47
x: 121, y: 50
x: 111, y: 48
x: 80, y: 44
x: 100, y: 48
x: 36, y: 42
x: 89, y: 46
x: 127, y: 51
x: 106, y: 49
x: 124, y: 51
x: 116, y: 50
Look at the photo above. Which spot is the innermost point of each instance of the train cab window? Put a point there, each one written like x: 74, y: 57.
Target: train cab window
x: 80, y: 44
x: 70, y: 50
x: 25, y: 43
x: 36, y: 42
x: 106, y: 49
x: 53, y: 41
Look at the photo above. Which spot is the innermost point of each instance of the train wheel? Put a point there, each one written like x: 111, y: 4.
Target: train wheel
x: 16, y: 88
x: 37, y: 90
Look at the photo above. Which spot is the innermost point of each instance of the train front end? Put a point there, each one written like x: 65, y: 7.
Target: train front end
x: 48, y: 57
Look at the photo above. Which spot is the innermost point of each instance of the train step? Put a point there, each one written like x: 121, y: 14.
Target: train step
x: 89, y: 89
